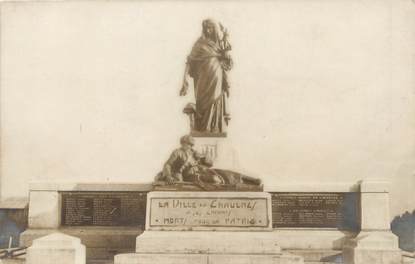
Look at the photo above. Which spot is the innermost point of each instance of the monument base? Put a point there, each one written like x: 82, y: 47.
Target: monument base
x: 206, y: 247
x: 372, y: 247
x: 100, y: 242
x: 206, y: 259
x: 207, y: 242
x: 207, y: 228
x: 56, y: 248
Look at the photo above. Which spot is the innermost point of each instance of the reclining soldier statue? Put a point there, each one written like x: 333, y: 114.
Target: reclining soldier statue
x: 187, y: 169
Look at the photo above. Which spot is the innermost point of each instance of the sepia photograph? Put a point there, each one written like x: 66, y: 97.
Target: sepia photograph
x: 207, y: 132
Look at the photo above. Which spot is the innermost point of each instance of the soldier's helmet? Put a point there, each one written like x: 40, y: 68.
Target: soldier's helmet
x: 187, y: 139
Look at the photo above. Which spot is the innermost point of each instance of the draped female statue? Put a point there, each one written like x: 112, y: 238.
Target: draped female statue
x: 208, y: 64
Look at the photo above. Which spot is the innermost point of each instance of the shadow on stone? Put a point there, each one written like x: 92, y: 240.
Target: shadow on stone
x: 404, y: 227
x: 350, y: 209
x: 12, y: 223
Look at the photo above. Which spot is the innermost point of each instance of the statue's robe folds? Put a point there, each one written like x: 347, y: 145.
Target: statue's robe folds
x: 208, y: 67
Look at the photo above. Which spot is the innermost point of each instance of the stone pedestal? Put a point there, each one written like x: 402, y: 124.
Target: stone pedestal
x: 219, y: 149
x: 44, y: 209
x: 100, y: 242
x: 56, y: 248
x: 373, y: 247
x: 208, y: 227
x: 375, y: 243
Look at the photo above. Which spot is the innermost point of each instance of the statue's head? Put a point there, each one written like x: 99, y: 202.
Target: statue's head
x: 212, y: 30
x: 187, y: 141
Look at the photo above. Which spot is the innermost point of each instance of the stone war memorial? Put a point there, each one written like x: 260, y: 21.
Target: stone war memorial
x: 252, y: 132
x: 197, y: 213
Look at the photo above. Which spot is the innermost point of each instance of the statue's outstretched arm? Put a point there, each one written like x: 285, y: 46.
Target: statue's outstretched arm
x: 167, y: 168
x: 185, y: 86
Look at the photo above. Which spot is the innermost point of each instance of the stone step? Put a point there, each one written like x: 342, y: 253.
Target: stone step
x: 99, y: 261
x: 13, y: 261
x: 310, y: 257
x: 207, y: 242
x: 103, y: 261
x: 314, y: 262
x: 408, y: 260
x: 318, y: 255
x: 152, y: 258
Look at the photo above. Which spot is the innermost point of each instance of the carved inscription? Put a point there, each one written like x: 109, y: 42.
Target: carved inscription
x: 330, y: 210
x: 103, y: 208
x: 208, y: 212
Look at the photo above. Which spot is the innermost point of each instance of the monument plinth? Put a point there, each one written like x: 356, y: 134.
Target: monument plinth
x: 208, y: 211
x: 197, y: 227
x: 375, y: 243
x: 56, y: 248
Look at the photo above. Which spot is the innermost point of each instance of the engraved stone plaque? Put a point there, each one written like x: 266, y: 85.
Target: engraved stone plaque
x: 322, y: 210
x: 208, y: 211
x: 103, y: 208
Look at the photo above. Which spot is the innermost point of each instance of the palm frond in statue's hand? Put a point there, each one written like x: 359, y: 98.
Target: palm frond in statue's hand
x: 184, y: 89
